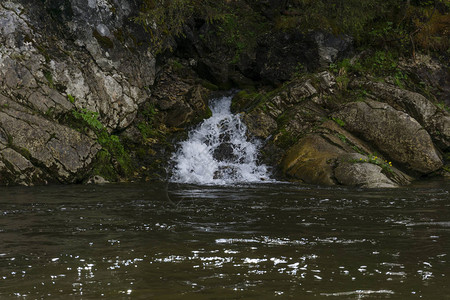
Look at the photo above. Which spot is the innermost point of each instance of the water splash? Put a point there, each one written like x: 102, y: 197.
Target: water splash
x: 219, y: 151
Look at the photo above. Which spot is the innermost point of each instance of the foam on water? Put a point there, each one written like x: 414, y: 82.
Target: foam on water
x: 219, y: 151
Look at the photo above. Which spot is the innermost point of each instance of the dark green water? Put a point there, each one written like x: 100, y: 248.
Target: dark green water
x: 127, y: 241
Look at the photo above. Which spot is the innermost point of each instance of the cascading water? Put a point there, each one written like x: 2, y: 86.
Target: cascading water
x: 218, y: 151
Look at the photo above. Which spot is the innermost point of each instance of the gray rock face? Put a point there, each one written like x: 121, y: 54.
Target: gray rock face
x: 100, y: 65
x: 35, y: 150
x: 394, y: 133
x: 56, y: 57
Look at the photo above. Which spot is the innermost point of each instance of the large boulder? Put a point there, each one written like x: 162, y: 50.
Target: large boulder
x: 311, y: 160
x: 333, y: 156
x: 396, y: 134
x: 355, y: 170
x: 434, y: 119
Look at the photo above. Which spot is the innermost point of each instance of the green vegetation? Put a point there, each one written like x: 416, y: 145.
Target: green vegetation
x: 49, y: 77
x: 374, y: 159
x: 443, y: 106
x: 71, y: 98
x: 285, y: 139
x: 235, y: 22
x: 338, y: 121
x: 405, y: 25
x: 112, y: 159
x: 146, y: 127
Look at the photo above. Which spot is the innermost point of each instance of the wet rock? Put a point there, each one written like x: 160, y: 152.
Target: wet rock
x: 224, y: 152
x: 394, y: 133
x: 259, y: 124
x: 180, y: 100
x: 333, y: 156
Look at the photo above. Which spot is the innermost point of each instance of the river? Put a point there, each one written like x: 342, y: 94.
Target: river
x: 273, y: 240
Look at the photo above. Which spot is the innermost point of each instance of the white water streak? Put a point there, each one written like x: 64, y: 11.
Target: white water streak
x: 219, y: 151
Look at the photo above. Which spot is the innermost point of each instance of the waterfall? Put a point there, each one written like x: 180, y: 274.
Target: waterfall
x: 218, y: 151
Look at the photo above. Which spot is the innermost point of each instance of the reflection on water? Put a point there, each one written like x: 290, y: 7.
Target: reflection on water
x: 128, y: 241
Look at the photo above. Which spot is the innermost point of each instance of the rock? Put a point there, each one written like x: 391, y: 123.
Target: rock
x: 37, y: 150
x: 259, y: 124
x: 327, y: 81
x: 332, y: 48
x: 280, y: 55
x: 394, y: 133
x: 97, y: 179
x: 333, y: 156
x: 436, y: 121
x: 78, y: 58
x: 367, y: 175
x: 16, y: 169
x: 180, y: 100
x: 224, y: 152
x: 312, y: 160
x: 431, y: 72
x: 86, y: 55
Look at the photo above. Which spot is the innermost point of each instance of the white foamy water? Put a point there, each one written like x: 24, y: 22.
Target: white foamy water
x: 219, y: 151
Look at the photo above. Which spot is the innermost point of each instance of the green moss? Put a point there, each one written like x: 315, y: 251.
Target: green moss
x: 103, y: 166
x: 209, y: 85
x: 176, y: 65
x: 147, y: 131
x: 48, y: 75
x: 443, y: 106
x: 247, y: 100
x: 374, y: 159
x: 286, y: 139
x: 119, y: 159
x: 338, y: 121
x: 71, y: 98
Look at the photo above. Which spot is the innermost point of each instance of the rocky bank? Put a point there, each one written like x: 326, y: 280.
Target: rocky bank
x: 83, y: 99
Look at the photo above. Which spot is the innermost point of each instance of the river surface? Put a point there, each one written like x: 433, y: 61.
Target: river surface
x: 260, y: 241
